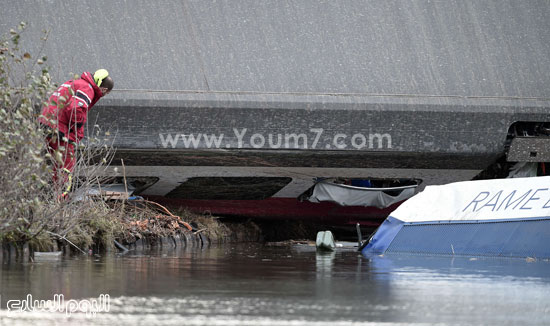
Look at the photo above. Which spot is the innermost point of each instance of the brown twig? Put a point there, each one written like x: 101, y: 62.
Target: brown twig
x: 170, y: 214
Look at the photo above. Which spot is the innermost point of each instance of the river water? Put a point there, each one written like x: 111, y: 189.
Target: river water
x: 252, y: 284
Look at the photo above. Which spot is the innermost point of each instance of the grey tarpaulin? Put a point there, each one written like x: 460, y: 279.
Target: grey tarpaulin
x: 358, y: 196
x: 523, y: 170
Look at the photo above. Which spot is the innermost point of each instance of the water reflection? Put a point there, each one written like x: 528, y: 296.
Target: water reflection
x: 324, y: 260
x: 253, y: 284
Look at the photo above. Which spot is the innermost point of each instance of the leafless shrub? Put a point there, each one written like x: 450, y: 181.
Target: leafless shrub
x: 31, y: 204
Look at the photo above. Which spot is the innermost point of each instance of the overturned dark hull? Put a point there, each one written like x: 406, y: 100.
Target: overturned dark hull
x: 434, y: 141
x: 423, y: 90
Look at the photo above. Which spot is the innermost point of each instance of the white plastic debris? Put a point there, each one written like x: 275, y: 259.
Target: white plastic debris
x: 325, y: 241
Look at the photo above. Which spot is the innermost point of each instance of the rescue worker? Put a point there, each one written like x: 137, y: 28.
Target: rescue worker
x: 65, y: 115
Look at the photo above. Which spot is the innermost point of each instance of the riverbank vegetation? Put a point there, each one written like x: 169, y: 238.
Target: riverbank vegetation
x: 33, y: 210
x: 26, y: 205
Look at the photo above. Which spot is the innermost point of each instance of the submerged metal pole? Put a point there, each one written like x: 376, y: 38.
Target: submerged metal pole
x: 359, y: 235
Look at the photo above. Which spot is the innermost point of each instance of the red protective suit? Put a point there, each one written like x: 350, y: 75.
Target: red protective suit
x: 68, y: 107
x: 66, y: 113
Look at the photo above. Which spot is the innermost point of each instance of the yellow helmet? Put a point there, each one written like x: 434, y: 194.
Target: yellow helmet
x: 100, y: 75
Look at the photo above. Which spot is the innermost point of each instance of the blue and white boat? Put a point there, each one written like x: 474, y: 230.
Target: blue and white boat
x: 500, y: 217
